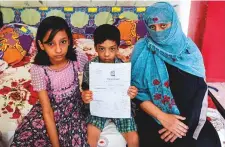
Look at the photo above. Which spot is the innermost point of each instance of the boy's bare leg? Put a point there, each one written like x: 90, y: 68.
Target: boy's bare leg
x: 93, y: 134
x: 131, y: 138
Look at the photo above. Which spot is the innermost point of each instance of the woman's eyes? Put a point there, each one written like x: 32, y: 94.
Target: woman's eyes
x: 163, y: 26
x: 160, y: 26
x: 152, y: 27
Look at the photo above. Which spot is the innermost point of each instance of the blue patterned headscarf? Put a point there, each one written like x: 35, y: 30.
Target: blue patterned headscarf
x: 149, y: 72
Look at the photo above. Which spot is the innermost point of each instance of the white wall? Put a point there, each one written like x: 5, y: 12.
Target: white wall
x: 185, y: 7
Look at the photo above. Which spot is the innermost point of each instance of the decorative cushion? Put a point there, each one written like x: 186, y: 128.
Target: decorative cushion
x: 15, y: 42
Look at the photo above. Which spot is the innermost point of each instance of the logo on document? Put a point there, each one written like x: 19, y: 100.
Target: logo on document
x: 113, y: 73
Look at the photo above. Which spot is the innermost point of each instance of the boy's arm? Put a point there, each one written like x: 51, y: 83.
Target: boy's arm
x: 86, y: 94
x: 132, y: 92
x: 85, y: 81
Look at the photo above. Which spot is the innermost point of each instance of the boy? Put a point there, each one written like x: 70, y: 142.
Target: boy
x: 106, y: 41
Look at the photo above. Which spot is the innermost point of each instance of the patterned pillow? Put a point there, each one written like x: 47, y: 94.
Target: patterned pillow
x: 131, y: 31
x: 86, y: 46
x: 15, y: 42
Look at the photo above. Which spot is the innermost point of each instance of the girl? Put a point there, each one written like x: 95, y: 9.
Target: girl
x: 56, y: 120
x: 168, y: 70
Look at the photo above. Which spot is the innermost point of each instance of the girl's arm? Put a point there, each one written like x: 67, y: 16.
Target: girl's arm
x: 48, y: 116
x: 169, y: 121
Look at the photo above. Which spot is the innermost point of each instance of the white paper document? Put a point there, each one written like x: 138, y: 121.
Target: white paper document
x: 109, y: 83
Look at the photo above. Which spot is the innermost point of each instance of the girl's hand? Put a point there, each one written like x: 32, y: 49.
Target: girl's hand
x: 87, y: 96
x: 173, y: 124
x: 132, y: 92
x: 166, y: 135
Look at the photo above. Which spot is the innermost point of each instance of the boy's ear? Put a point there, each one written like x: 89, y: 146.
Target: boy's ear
x: 117, y: 47
x: 41, y: 45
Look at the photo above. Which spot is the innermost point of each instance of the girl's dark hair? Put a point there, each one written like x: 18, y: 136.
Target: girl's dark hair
x: 106, y: 32
x: 55, y: 24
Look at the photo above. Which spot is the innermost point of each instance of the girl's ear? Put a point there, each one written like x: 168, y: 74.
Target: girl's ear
x: 41, y: 45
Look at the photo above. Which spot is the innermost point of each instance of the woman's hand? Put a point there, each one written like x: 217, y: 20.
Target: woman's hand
x: 166, y: 135
x: 87, y: 96
x: 132, y: 92
x: 173, y: 124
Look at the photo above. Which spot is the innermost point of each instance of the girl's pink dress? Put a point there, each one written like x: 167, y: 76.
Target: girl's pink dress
x: 64, y: 94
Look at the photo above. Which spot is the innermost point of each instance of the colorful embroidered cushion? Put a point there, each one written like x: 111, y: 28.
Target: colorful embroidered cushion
x: 15, y: 42
x: 86, y: 46
x: 131, y: 31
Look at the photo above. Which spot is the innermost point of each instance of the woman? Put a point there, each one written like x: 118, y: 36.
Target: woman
x: 168, y: 70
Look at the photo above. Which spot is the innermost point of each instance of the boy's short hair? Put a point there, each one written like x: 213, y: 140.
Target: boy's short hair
x: 106, y: 32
